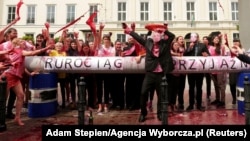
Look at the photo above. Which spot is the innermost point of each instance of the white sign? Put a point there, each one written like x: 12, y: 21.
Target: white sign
x: 129, y: 64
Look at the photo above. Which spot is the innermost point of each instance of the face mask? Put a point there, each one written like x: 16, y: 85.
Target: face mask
x: 156, y: 36
x: 193, y: 37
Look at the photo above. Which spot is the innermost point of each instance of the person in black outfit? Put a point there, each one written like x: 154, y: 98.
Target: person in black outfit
x: 207, y: 75
x: 195, y: 80
x: 238, y: 51
x: 233, y: 76
x: 133, y: 81
x: 158, y: 62
x: 118, y: 92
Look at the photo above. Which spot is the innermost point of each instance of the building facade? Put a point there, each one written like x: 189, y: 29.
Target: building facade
x: 182, y: 16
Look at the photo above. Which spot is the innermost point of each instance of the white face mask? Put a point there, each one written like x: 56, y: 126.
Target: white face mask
x: 193, y: 37
x: 156, y: 36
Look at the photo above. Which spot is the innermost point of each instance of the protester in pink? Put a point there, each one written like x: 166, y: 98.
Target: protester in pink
x: 219, y: 78
x: 15, y: 72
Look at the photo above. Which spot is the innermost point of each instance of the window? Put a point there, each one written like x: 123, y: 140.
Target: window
x: 213, y: 11
x: 121, y: 11
x: 144, y: 11
x: 50, y: 13
x: 236, y: 36
x: 121, y: 37
x: 51, y: 35
x: 93, y: 8
x: 11, y: 13
x: 235, y: 11
x: 70, y: 13
x: 31, y: 14
x: 190, y: 11
x: 167, y: 11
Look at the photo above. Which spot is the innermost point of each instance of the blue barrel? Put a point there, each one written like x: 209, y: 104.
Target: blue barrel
x: 43, y: 101
x: 240, y: 90
x: 240, y: 81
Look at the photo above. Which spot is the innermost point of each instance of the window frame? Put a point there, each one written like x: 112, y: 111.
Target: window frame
x: 51, y: 9
x: 144, y: 11
x: 71, y: 13
x: 31, y: 11
x: 11, y: 13
x: 167, y: 11
x: 213, y: 11
x: 121, y: 11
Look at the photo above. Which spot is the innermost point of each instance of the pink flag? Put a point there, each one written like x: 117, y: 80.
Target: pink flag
x: 19, y: 4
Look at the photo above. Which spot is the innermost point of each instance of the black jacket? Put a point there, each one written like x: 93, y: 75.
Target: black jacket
x: 201, y: 48
x: 165, y: 58
x: 244, y: 58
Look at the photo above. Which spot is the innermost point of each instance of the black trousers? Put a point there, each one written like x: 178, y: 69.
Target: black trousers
x: 195, y: 81
x: 133, y: 87
x: 182, y: 83
x: 208, y: 81
x: 151, y: 81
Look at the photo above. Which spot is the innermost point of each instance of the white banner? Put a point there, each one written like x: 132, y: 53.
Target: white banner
x: 128, y: 64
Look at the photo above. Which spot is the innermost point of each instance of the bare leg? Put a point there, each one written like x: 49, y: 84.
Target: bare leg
x: 19, y: 102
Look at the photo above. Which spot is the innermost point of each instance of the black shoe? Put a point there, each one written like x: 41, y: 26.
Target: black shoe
x: 10, y: 116
x: 215, y: 102
x: 180, y: 108
x: 201, y: 108
x: 234, y: 101
x: 142, y: 118
x: 221, y: 104
x: 189, y: 108
x: 63, y: 106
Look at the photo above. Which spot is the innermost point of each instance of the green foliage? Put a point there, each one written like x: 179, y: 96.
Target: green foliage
x: 56, y: 39
x: 27, y: 38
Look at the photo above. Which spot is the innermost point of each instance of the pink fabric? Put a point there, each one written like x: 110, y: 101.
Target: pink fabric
x: 103, y: 51
x: 12, y: 80
x: 6, y: 45
x: 28, y: 46
x: 212, y: 52
x: 155, y: 51
x: 17, y: 60
x: 158, y: 68
x: 130, y: 51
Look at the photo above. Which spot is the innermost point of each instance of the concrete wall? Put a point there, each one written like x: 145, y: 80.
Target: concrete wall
x: 244, y: 23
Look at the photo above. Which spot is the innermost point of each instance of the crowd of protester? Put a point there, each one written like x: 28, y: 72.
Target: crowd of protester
x: 107, y: 92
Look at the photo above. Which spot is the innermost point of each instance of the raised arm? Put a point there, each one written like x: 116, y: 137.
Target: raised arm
x: 36, y: 52
x: 98, y: 38
x: 7, y: 27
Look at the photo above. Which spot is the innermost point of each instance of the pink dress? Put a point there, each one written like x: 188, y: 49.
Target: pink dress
x: 15, y: 72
